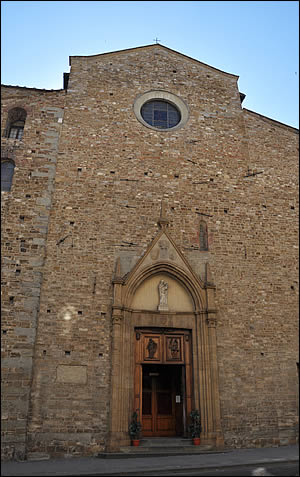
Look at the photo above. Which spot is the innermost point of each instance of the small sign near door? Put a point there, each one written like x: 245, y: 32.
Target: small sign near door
x: 177, y: 398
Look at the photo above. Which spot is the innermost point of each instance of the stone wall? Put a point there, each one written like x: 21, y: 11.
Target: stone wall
x: 112, y: 173
x: 258, y: 293
x: 25, y: 219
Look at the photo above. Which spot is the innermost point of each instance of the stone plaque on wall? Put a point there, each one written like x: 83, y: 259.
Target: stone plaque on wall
x: 71, y: 374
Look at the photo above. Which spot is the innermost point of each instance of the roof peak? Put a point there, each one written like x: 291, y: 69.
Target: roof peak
x: 153, y: 45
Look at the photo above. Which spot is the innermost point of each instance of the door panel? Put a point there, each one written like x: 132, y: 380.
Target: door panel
x: 165, y: 405
x: 163, y: 380
x: 159, y: 412
x: 147, y: 404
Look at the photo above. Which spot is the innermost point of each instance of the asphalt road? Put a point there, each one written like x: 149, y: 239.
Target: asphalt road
x: 239, y: 462
x: 284, y: 469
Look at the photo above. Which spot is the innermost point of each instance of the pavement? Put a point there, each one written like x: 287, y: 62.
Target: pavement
x: 137, y: 465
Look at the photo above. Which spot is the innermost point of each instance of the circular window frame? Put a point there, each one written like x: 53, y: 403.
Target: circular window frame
x: 165, y: 96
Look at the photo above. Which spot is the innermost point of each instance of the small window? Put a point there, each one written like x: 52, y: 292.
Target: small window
x: 160, y: 114
x: 16, y: 130
x: 161, y: 110
x: 7, y: 172
x: 15, y: 123
x: 203, y: 236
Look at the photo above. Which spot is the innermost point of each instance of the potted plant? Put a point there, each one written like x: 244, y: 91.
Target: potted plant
x: 135, y: 428
x: 195, y: 427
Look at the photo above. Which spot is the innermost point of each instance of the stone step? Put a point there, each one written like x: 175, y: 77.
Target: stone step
x: 165, y: 442
x: 165, y: 446
x: 159, y: 441
x: 160, y: 446
x: 159, y: 450
x: 155, y: 451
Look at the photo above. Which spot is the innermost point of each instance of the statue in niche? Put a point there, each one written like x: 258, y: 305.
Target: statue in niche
x: 151, y: 347
x: 163, y: 296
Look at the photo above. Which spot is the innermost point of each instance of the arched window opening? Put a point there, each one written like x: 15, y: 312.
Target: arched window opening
x: 203, y: 236
x: 7, y: 172
x: 15, y: 123
x: 16, y: 130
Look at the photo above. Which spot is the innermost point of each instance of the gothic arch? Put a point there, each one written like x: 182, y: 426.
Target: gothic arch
x: 163, y: 257
x: 190, y: 284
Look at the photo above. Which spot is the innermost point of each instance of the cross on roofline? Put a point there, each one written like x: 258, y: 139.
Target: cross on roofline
x: 156, y: 40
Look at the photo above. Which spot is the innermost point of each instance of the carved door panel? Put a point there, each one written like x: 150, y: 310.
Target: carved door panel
x: 161, y: 348
x: 152, y: 351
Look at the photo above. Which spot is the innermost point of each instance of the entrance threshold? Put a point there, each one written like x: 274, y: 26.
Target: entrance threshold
x: 165, y: 442
x: 160, y: 447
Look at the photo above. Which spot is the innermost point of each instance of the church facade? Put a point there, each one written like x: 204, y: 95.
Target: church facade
x: 149, y: 259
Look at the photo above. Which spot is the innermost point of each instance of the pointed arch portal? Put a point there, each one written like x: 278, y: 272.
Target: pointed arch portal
x: 164, y: 361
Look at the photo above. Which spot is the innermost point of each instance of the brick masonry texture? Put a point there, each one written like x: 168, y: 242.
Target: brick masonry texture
x: 89, y: 181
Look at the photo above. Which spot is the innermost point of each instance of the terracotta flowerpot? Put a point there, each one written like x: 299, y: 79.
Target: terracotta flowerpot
x: 196, y: 441
x: 135, y: 442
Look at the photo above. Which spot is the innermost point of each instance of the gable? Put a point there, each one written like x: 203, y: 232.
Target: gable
x: 162, y: 250
x: 142, y: 50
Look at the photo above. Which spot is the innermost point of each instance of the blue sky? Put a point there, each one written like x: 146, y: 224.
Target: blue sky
x: 256, y: 40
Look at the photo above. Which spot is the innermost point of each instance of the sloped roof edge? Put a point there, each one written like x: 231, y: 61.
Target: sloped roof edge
x: 29, y: 87
x: 155, y: 45
x: 270, y: 119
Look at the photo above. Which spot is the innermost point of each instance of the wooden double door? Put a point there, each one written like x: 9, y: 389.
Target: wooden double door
x: 163, y: 381
x: 162, y: 400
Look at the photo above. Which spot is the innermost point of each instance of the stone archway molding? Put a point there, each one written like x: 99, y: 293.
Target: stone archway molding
x: 163, y: 257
